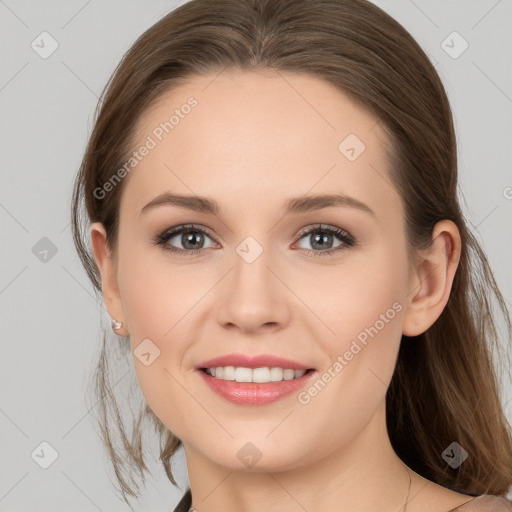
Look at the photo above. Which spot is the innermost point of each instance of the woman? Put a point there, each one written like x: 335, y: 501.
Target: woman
x: 271, y: 193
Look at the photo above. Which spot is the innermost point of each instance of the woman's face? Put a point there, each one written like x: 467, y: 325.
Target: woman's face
x: 257, y: 279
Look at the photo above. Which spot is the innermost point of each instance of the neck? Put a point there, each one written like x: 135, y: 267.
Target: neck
x: 364, y: 474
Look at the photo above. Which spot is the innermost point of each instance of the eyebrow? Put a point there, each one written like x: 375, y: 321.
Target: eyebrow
x: 293, y: 205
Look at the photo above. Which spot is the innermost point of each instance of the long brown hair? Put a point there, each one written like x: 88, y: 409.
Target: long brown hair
x: 445, y: 387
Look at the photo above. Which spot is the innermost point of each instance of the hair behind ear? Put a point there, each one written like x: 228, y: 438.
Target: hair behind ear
x: 445, y: 387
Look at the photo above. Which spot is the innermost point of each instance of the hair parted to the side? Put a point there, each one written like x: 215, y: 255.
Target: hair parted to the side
x: 445, y: 387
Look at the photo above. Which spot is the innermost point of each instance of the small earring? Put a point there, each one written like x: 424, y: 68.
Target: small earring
x: 116, y: 325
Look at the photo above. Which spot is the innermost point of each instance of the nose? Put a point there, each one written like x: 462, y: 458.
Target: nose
x: 253, y: 297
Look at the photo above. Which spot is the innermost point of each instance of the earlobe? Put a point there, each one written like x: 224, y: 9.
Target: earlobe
x: 108, y: 271
x: 432, y: 279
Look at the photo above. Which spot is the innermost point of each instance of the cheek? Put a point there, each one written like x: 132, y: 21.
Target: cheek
x: 155, y: 299
x: 155, y: 293
x: 364, y: 309
x: 158, y: 306
x: 358, y: 294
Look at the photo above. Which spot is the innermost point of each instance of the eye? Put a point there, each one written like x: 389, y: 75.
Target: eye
x: 322, y: 238
x: 190, y: 236
x: 193, y: 237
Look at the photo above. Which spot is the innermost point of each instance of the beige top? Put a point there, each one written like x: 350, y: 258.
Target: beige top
x: 484, y: 503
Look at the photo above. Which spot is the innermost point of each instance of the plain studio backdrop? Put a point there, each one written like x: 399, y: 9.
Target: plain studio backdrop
x: 50, y: 320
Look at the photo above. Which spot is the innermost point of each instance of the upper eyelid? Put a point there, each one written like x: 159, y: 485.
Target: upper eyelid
x: 183, y: 227
x: 320, y: 227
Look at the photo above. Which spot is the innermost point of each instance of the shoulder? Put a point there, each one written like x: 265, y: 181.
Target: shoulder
x: 432, y: 497
x: 485, y: 503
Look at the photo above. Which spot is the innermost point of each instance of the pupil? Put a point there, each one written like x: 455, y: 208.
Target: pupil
x: 322, y: 239
x: 191, y: 236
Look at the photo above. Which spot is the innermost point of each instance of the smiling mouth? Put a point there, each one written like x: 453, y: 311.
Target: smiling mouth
x: 255, y: 375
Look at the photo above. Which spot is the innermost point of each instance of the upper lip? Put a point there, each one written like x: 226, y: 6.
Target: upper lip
x: 256, y: 361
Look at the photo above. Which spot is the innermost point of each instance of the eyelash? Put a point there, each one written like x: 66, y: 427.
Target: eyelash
x: 162, y: 239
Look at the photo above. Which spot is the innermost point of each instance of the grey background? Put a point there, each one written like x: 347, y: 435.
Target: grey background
x: 49, y: 316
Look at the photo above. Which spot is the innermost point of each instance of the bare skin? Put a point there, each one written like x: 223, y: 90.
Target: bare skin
x: 252, y: 142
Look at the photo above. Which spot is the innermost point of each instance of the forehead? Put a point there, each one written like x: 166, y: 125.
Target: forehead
x: 256, y: 135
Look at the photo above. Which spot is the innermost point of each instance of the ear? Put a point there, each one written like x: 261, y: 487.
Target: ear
x: 108, y: 270
x: 432, y: 278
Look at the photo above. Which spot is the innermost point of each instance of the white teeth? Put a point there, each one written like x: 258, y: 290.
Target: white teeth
x: 258, y: 375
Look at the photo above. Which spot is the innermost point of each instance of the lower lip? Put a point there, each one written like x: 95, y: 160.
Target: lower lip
x: 251, y: 393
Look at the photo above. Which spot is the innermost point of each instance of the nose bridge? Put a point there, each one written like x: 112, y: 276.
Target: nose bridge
x: 253, y: 296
